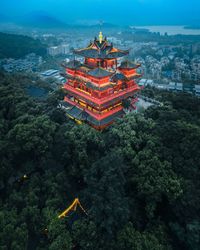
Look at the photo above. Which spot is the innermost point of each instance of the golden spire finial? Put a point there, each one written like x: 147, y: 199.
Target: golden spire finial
x: 100, y: 37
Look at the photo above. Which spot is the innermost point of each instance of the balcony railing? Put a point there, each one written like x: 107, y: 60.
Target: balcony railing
x: 95, y: 115
x: 103, y: 100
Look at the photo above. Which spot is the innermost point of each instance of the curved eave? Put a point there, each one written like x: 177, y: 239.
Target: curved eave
x: 134, y: 77
x: 101, y: 77
x: 135, y: 67
x: 119, y: 54
x: 71, y: 65
x: 88, y: 53
x: 92, y: 53
x: 92, y: 86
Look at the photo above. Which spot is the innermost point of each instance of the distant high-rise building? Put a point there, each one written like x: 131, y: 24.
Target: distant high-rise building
x: 53, y: 51
x: 64, y: 49
x: 59, y: 50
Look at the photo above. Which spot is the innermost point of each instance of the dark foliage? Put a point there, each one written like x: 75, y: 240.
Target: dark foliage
x: 138, y: 179
x: 17, y: 46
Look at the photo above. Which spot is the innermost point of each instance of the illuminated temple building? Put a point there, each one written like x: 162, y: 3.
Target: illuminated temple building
x: 96, y: 89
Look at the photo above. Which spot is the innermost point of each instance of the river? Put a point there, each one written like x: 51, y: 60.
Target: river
x: 171, y: 30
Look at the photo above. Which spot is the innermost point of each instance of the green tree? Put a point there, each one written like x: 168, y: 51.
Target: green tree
x: 59, y: 236
x: 85, y: 234
x: 35, y: 136
x: 130, y: 239
x: 105, y: 191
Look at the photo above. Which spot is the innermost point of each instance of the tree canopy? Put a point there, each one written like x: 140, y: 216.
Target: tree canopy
x: 138, y: 180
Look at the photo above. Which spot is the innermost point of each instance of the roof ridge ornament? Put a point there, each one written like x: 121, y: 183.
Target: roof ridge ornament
x: 100, y: 37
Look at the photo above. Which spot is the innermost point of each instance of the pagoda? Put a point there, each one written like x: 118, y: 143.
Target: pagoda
x: 96, y: 89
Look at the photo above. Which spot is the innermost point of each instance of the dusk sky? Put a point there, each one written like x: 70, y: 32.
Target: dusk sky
x: 142, y: 12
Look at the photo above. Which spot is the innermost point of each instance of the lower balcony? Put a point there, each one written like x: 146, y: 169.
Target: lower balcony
x: 98, y: 116
x: 105, y: 100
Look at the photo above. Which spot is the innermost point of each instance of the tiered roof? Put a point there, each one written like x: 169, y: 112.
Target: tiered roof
x: 102, y: 98
x: 129, y: 65
x: 118, y: 76
x: 99, y: 88
x: 81, y: 114
x: 102, y: 49
x: 99, y: 72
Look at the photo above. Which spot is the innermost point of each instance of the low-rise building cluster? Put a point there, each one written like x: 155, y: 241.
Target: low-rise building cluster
x: 53, y: 73
x: 31, y: 62
x: 171, y: 86
x: 62, y: 49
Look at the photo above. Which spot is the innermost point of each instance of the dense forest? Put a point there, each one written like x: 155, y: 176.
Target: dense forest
x: 16, y: 46
x: 138, y: 180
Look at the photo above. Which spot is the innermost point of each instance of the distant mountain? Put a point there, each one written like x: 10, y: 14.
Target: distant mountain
x: 43, y: 20
x: 16, y: 46
x: 94, y: 26
x: 105, y: 25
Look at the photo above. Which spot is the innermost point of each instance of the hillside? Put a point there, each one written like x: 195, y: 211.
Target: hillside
x: 138, y: 180
x: 42, y: 20
x: 17, y: 46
